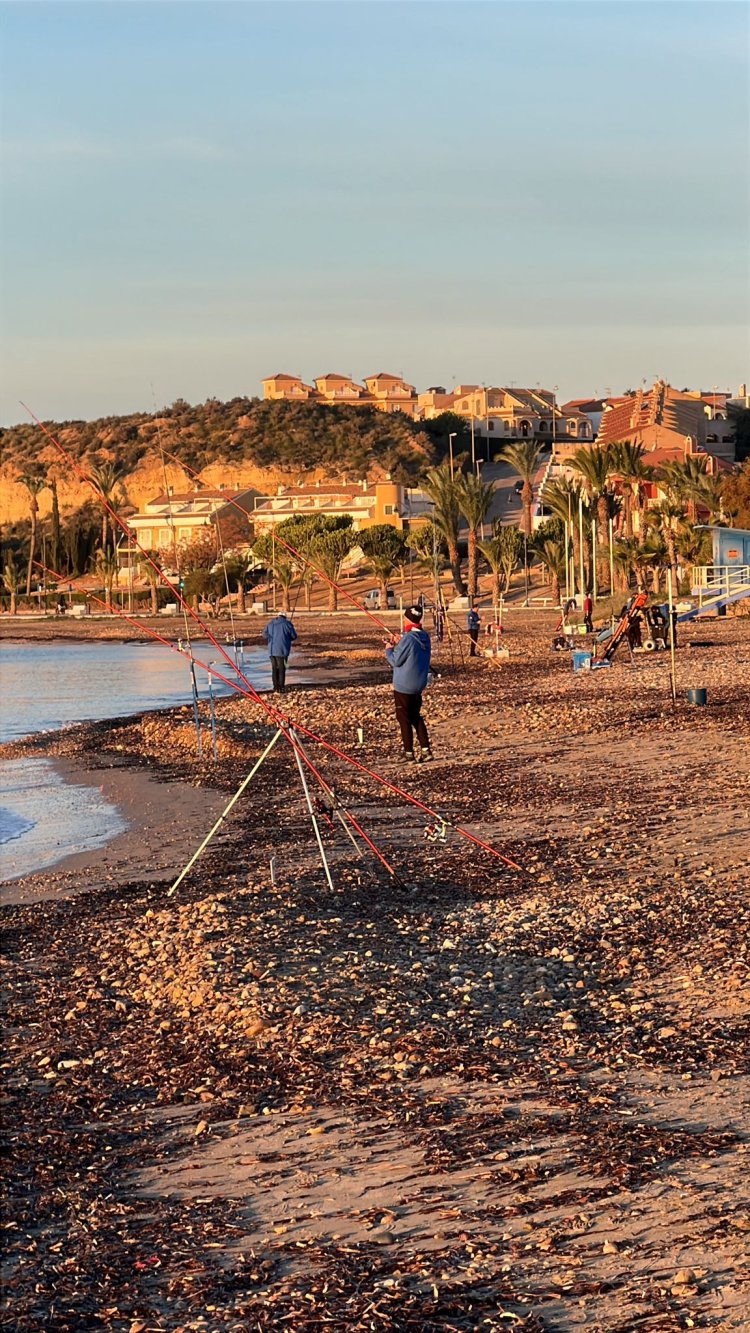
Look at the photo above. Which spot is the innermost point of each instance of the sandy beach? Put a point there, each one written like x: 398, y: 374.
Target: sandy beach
x: 465, y: 1098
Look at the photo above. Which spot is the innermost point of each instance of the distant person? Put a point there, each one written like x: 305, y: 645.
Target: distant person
x: 279, y: 634
x: 410, y: 658
x: 588, y: 612
x: 473, y: 622
x: 62, y: 605
x: 438, y: 621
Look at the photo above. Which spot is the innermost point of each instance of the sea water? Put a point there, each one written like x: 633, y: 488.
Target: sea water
x: 46, y: 686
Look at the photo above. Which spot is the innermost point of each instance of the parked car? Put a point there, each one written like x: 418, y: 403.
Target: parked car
x: 372, y: 600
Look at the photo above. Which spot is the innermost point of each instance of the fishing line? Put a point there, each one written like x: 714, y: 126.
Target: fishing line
x: 253, y: 694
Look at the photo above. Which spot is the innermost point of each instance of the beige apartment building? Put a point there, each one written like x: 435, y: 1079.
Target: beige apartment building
x: 364, y: 502
x: 388, y: 393
x: 176, y: 517
x: 496, y: 413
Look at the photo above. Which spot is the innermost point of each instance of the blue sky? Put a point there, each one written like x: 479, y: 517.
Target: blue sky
x: 197, y: 195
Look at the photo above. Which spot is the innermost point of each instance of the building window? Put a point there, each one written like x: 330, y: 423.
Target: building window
x: 389, y: 509
x: 525, y: 428
x: 571, y: 427
x: 490, y: 425
x: 542, y: 426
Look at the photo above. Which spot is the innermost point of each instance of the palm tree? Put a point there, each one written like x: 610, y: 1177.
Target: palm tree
x: 629, y: 467
x: 595, y: 467
x: 552, y: 555
x: 107, y: 567
x: 442, y: 489
x: 238, y: 567
x: 153, y: 580
x: 106, y: 479
x: 628, y: 556
x: 502, y: 554
x: 34, y: 484
x: 654, y: 556
x: 689, y: 482
x: 524, y: 457
x: 474, y: 501
x: 562, y: 497
x: 668, y: 517
x: 12, y: 580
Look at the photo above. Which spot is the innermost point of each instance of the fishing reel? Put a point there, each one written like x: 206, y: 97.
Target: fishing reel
x: 435, y: 832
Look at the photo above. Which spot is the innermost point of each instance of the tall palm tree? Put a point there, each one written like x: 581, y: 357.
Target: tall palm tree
x: 106, y: 478
x: 34, y: 484
x: 552, y: 555
x: 562, y: 496
x: 443, y: 490
x: 12, y: 580
x: 595, y: 467
x: 628, y: 466
x: 688, y: 481
x: 668, y: 518
x: 474, y: 501
x: 524, y: 457
x: 107, y: 567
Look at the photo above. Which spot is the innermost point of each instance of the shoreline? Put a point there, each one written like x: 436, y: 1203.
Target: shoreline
x: 163, y: 820
x: 462, y: 1092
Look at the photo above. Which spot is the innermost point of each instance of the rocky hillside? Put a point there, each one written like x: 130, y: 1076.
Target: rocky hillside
x: 244, y: 442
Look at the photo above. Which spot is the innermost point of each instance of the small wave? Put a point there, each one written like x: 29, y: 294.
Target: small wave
x: 13, y: 826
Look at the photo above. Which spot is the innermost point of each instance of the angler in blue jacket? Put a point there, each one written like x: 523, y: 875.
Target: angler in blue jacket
x: 473, y: 622
x: 279, y: 634
x: 410, y: 658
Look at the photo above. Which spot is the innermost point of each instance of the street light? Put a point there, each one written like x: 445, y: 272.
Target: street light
x: 451, y: 438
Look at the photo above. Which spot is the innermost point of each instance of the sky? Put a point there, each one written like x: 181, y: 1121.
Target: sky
x: 197, y: 195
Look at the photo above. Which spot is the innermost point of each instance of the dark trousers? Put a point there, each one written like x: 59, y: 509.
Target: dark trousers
x: 278, y: 674
x: 473, y: 635
x: 409, y: 715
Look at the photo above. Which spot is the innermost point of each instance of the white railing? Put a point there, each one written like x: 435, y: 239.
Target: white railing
x: 715, y: 580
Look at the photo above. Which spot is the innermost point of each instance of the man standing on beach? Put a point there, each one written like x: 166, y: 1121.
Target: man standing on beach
x: 279, y: 634
x: 588, y: 612
x: 410, y: 658
x: 472, y: 624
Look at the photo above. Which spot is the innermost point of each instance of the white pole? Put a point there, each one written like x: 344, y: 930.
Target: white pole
x: 593, y: 557
x: 311, y: 809
x: 580, y: 543
x: 672, y: 676
x: 225, y: 812
x: 611, y: 559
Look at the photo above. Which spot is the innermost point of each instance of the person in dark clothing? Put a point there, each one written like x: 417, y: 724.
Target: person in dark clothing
x: 473, y: 622
x: 410, y: 658
x: 279, y: 634
x: 588, y: 613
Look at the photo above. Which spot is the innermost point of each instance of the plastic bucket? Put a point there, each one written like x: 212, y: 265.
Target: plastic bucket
x: 697, y: 696
x: 581, y: 661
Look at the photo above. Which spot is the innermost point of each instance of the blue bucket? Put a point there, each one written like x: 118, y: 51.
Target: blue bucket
x: 581, y: 660
x: 697, y: 696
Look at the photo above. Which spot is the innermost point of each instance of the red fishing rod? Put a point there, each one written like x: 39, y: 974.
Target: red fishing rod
x: 292, y: 551
x: 311, y: 735
x: 251, y: 692
x: 204, y: 666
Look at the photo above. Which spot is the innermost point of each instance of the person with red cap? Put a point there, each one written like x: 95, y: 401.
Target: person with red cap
x: 410, y: 658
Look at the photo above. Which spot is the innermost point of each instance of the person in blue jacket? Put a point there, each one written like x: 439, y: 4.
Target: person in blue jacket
x: 279, y: 634
x: 473, y: 622
x: 410, y: 658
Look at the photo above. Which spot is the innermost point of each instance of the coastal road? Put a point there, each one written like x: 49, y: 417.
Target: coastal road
x: 506, y: 504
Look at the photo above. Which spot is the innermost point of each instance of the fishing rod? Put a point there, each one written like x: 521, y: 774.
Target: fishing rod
x: 298, y: 555
x: 278, y: 720
x: 252, y: 693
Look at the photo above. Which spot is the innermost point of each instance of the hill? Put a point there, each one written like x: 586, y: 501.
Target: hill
x: 245, y: 441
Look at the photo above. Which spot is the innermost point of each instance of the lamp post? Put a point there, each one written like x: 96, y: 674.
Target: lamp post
x: 451, y: 438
